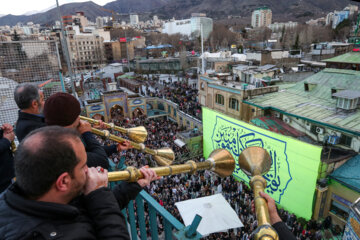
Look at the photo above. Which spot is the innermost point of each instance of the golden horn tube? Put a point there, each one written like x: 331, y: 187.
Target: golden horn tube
x: 220, y: 161
x: 265, y: 230
x: 256, y: 161
x: 137, y: 134
x: 13, y: 146
x: 163, y: 157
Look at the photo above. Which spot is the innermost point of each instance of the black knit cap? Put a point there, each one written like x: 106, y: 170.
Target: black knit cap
x: 61, y: 109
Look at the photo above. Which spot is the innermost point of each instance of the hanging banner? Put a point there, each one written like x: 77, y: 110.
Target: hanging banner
x: 291, y: 181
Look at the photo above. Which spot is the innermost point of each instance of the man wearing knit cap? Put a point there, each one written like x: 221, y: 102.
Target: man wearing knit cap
x: 63, y: 109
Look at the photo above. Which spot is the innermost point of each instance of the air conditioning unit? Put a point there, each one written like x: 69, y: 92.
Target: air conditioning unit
x: 319, y: 130
x: 287, y: 120
x: 333, y: 139
x: 277, y: 115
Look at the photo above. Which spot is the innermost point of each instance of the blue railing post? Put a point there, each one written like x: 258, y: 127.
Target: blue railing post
x: 194, y: 225
x: 132, y: 220
x: 190, y: 232
x: 141, y: 217
x: 153, y: 223
x: 173, y: 228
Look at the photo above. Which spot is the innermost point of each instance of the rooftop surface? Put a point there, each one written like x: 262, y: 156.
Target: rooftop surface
x: 350, y: 57
x: 346, y: 174
x: 316, y: 105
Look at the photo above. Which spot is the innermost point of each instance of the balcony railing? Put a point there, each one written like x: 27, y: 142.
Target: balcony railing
x: 138, y: 226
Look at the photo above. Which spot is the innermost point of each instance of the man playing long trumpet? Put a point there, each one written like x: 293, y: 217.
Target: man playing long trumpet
x: 63, y: 109
x: 57, y: 196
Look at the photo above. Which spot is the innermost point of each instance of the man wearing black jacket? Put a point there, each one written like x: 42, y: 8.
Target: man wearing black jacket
x: 30, y: 101
x: 63, y: 109
x: 56, y: 196
x: 6, y: 156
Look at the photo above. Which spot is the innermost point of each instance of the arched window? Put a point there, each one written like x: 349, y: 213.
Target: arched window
x: 234, y: 104
x: 161, y: 106
x: 219, y: 99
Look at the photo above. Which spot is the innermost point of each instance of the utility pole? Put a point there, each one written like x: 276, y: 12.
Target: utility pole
x: 127, y: 53
x: 65, y: 49
x: 202, y: 50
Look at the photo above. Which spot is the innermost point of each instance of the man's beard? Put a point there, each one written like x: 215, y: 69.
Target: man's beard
x: 40, y: 109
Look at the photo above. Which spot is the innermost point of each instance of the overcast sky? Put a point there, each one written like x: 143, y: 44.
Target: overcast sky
x: 19, y: 7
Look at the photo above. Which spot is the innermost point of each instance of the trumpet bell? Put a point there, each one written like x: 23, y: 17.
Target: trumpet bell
x: 137, y: 134
x: 254, y: 161
x: 164, y: 156
x: 223, y: 161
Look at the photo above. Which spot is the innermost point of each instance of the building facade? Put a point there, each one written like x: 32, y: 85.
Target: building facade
x: 134, y: 19
x: 190, y: 27
x: 86, y: 51
x: 261, y: 17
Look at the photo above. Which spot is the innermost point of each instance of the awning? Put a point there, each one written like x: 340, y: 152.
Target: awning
x: 179, y: 143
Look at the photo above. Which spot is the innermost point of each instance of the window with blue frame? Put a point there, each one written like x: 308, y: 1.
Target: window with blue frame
x: 219, y: 99
x: 161, y: 106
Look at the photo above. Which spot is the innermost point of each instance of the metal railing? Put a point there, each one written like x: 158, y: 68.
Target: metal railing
x: 172, y: 228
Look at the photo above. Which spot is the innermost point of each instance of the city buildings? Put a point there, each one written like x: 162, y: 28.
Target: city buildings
x: 261, y: 17
x: 99, y: 22
x: 276, y: 27
x: 134, y: 19
x: 190, y: 27
x: 86, y: 51
x: 338, y: 17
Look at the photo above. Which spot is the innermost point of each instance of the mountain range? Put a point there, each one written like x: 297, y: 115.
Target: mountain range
x: 296, y: 10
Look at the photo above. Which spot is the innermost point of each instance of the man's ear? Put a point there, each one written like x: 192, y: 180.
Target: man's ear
x: 63, y: 182
x: 34, y: 104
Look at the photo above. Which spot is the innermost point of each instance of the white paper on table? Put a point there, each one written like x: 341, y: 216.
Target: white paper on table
x: 217, y: 214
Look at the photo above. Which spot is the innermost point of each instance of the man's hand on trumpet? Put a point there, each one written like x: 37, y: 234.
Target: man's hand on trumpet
x: 8, y: 132
x: 124, y: 146
x: 149, y: 176
x: 101, y: 125
x: 83, y: 127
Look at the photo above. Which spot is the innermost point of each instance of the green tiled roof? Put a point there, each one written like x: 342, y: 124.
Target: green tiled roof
x: 346, y: 174
x: 317, y: 104
x: 350, y: 57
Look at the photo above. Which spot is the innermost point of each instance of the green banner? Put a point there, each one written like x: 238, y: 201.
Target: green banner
x: 291, y: 180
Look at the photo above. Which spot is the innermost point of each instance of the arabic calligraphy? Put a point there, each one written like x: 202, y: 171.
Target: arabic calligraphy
x: 236, y: 138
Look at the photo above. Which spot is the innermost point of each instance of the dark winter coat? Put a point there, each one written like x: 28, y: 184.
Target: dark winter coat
x: 95, y: 216
x: 26, y: 123
x: 283, y: 231
x: 6, y: 164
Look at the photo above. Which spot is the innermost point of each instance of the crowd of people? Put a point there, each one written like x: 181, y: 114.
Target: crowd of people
x: 182, y: 94
x: 171, y: 189
x: 167, y: 190
x: 161, y: 134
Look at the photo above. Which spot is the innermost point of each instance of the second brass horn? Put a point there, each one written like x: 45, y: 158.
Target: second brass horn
x: 256, y: 161
x: 220, y: 162
x: 163, y: 156
x: 137, y: 134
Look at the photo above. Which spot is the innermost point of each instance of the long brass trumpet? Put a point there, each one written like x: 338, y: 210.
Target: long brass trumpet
x: 137, y: 134
x: 163, y: 156
x: 255, y: 162
x: 220, y: 162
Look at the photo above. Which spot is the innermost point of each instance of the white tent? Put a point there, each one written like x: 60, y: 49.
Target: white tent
x: 217, y: 214
x: 179, y: 143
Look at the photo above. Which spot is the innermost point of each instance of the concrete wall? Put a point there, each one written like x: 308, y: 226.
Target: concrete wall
x: 296, y: 77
